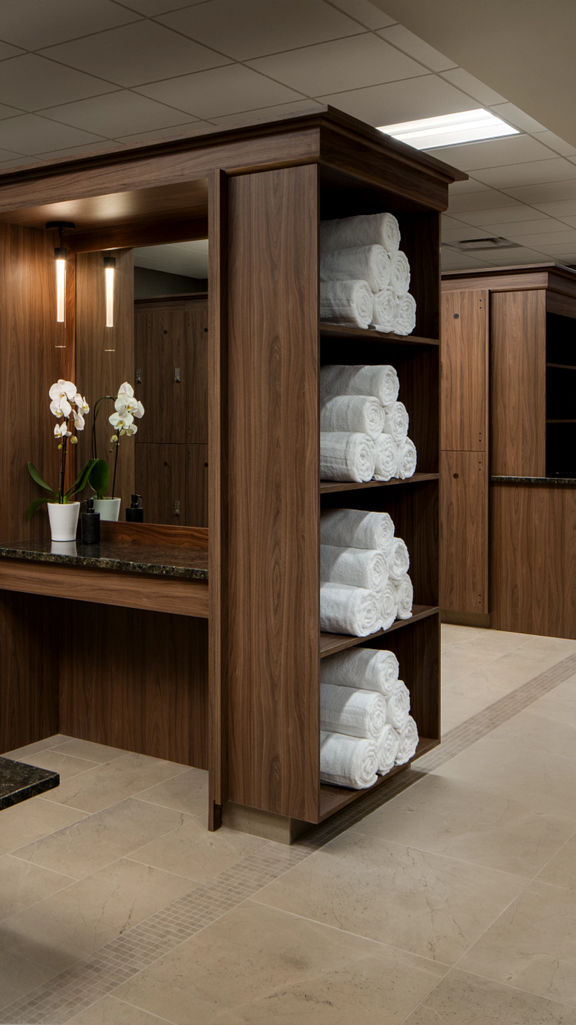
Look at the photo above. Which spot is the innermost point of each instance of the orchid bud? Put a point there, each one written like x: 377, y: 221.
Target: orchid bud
x: 73, y: 440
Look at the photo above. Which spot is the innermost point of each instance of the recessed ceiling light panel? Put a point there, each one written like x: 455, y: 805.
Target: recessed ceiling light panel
x: 450, y: 129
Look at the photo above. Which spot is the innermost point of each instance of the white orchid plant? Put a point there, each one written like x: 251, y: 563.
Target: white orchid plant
x: 70, y: 408
x: 127, y: 408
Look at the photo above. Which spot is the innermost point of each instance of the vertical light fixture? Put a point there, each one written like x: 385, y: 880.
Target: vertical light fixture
x: 109, y: 272
x: 60, y: 255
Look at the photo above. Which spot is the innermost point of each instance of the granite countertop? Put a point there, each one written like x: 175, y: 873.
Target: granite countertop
x: 553, y: 482
x: 151, y: 560
x: 18, y: 781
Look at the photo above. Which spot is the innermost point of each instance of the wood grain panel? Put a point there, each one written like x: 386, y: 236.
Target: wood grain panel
x: 518, y: 383
x: 533, y: 560
x: 272, y: 552
x: 464, y: 377
x: 143, y: 685
x: 30, y: 670
x: 420, y: 240
x: 161, y: 480
x: 464, y: 532
x: 161, y: 534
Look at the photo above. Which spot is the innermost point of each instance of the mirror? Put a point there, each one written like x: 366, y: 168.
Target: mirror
x: 159, y: 344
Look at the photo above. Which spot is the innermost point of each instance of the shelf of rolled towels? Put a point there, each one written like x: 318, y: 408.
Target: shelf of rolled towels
x: 365, y: 722
x: 364, y: 275
x: 363, y: 427
x: 364, y: 580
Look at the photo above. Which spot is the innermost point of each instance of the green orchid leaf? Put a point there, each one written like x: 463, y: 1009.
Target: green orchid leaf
x: 35, y: 475
x: 35, y: 505
x: 99, y: 477
x: 82, y: 480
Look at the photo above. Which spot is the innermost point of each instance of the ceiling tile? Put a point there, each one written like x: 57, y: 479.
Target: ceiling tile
x: 548, y: 192
x: 564, y: 209
x: 516, y: 117
x: 469, y: 84
x: 184, y: 131
x: 105, y: 146
x: 417, y: 48
x: 518, y: 230
x: 460, y: 231
x: 529, y: 173
x: 221, y: 91
x: 503, y: 215
x: 8, y: 51
x: 364, y: 12
x: 339, y: 65
x: 570, y: 220
x: 8, y: 111
x: 35, y: 23
x: 32, y: 134
x: 488, y: 200
x: 37, y: 82
x: 492, y: 153
x: 469, y: 185
x: 256, y: 28
x: 116, y: 114
x: 137, y: 53
x: 523, y: 255
x: 267, y: 114
x: 152, y: 7
x: 557, y: 144
x: 451, y: 259
x: 399, y: 101
x: 559, y: 238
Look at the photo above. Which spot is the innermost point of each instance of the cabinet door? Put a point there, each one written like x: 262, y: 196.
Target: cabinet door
x: 161, y: 480
x: 464, y: 410
x: 464, y: 532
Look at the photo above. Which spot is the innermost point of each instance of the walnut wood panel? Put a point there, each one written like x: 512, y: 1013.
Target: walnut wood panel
x: 30, y: 670
x: 518, y: 383
x: 105, y: 358
x: 197, y: 484
x: 160, y: 594
x: 161, y: 534
x: 161, y: 480
x: 272, y: 552
x: 143, y: 684
x: 420, y: 240
x: 332, y: 643
x: 122, y: 236
x: 464, y: 377
x: 560, y: 304
x: 464, y: 532
x: 533, y: 560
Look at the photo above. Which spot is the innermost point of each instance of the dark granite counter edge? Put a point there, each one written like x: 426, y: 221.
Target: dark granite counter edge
x: 113, y: 565
x: 544, y: 482
x: 19, y: 781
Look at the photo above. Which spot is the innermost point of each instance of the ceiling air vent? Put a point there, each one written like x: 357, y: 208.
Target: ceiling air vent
x: 476, y: 245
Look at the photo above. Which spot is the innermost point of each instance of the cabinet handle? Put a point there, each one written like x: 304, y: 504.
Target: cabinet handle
x: 176, y: 509
x: 177, y: 375
x: 139, y: 375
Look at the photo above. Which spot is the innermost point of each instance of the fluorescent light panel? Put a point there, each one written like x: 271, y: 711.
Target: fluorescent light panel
x: 450, y: 129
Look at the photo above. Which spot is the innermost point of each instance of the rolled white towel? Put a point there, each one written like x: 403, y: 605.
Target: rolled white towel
x: 387, y: 749
x: 348, y: 761
x: 397, y: 557
x: 363, y: 230
x: 349, y: 610
x: 398, y: 705
x: 407, y: 459
x: 405, y: 314
x: 385, y: 313
x: 346, y: 456
x: 366, y: 668
x: 361, y: 263
x: 404, y: 596
x: 358, y: 567
x: 408, y: 741
x: 399, y: 273
x: 356, y: 528
x: 385, y: 457
x: 388, y: 605
x: 346, y: 302
x: 380, y: 381
x: 363, y: 414
x: 396, y: 421
x: 358, y: 713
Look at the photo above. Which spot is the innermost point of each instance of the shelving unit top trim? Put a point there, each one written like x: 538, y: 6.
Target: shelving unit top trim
x: 122, y: 187
x: 554, y: 277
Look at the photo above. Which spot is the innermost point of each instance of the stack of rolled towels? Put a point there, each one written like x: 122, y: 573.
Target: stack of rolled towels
x: 365, y: 722
x: 363, y: 427
x: 364, y: 580
x: 364, y: 275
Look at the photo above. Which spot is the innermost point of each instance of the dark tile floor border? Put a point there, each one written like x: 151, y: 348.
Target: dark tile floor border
x: 59, y: 999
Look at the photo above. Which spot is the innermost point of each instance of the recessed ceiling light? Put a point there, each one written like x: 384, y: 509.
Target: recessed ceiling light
x: 450, y: 129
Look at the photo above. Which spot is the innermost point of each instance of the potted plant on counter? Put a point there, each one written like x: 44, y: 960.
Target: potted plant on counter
x: 126, y: 408
x: 68, y: 406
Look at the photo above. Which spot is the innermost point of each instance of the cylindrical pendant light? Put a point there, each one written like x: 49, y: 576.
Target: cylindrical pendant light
x: 60, y: 255
x: 109, y: 272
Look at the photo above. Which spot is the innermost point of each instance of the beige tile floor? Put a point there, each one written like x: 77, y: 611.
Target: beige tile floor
x: 453, y: 903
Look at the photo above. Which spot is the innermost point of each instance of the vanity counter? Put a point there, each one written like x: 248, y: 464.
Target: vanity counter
x: 19, y: 781
x: 150, y: 560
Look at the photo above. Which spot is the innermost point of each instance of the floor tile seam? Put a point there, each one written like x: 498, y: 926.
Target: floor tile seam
x: 155, y: 1017
x: 551, y: 858
x: 42, y: 868
x: 515, y: 989
x: 144, y: 864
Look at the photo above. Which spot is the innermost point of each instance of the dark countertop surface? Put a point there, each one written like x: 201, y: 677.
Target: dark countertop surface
x: 152, y: 560
x: 552, y: 482
x: 18, y: 781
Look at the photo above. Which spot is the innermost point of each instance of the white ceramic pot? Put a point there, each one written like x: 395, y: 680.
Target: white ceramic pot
x: 63, y: 520
x: 63, y: 548
x: 109, y: 508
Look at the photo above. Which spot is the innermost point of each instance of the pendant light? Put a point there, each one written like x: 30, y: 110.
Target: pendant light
x: 60, y: 255
x: 109, y: 274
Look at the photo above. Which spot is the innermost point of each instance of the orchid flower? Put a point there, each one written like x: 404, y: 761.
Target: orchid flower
x: 126, y: 407
x: 67, y: 404
x: 62, y: 394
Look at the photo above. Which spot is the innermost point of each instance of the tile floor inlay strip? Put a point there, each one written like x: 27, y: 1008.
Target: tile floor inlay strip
x: 62, y: 997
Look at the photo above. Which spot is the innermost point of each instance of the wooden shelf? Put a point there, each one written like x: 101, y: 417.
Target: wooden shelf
x: 371, y: 335
x: 562, y: 366
x: 328, y: 486
x: 333, y: 798
x: 331, y: 643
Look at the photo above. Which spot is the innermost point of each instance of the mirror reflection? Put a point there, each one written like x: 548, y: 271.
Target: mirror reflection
x: 159, y: 345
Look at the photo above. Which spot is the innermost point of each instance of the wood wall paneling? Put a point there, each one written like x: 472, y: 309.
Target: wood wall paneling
x: 272, y: 486
x: 31, y: 668
x: 464, y: 532
x: 465, y: 345
x: 518, y: 383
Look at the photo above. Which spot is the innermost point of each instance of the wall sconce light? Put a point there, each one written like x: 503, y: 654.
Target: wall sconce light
x: 109, y: 272
x: 60, y: 255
